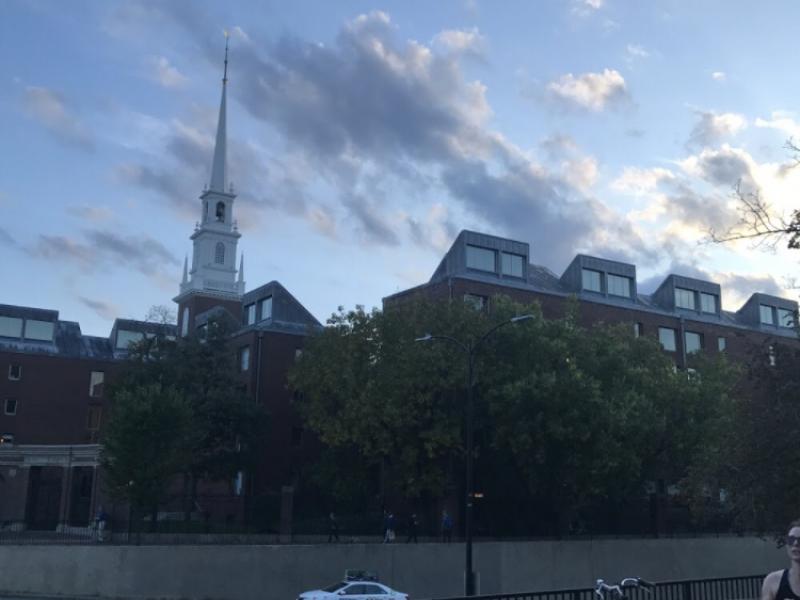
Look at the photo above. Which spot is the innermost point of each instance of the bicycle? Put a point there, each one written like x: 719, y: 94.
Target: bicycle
x: 617, y: 591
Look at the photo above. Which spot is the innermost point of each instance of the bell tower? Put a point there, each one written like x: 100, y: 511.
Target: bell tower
x: 213, y: 273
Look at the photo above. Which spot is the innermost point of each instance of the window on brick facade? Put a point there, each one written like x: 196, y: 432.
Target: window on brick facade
x: 765, y: 312
x: 15, y: 372
x: 721, y: 344
x: 298, y: 354
x: 96, y: 379
x: 475, y: 301
x: 771, y: 356
x: 637, y: 330
x: 693, y: 342
x: 684, y: 298
x: 93, y: 418
x: 708, y: 303
x: 244, y: 358
x: 482, y: 259
x: 618, y: 285
x: 667, y: 338
x: 591, y: 280
x: 10, y: 407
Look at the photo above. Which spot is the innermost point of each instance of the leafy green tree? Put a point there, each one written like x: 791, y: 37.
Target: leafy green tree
x: 571, y: 416
x: 145, y: 443
x: 226, y: 427
x: 749, y: 469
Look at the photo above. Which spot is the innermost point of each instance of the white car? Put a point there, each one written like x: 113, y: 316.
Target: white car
x: 355, y: 590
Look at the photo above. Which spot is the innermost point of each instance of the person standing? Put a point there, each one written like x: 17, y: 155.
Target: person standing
x: 100, y: 522
x: 785, y: 584
x: 388, y: 535
x: 447, y: 527
x: 413, y: 525
x: 333, y: 528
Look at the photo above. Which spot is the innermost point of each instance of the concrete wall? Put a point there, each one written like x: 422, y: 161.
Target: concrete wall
x: 423, y: 570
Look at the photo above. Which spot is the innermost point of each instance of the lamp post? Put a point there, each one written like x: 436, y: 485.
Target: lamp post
x: 470, y: 349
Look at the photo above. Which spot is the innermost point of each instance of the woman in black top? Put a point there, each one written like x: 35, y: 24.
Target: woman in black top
x: 785, y: 584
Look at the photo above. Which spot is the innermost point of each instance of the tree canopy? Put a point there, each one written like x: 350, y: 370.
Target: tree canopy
x: 571, y: 417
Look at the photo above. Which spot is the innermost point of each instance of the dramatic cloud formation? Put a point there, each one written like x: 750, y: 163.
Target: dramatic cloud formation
x: 49, y: 109
x: 106, y: 310
x: 162, y: 72
x: 590, y: 91
x: 711, y: 128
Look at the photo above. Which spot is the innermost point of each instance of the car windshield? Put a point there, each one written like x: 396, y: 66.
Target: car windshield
x: 334, y: 588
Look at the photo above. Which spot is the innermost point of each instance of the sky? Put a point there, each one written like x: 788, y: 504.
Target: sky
x: 363, y: 136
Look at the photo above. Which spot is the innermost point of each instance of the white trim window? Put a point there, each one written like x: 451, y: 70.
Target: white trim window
x: 14, y: 372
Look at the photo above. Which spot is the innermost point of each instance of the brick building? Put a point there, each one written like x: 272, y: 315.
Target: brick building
x: 684, y: 313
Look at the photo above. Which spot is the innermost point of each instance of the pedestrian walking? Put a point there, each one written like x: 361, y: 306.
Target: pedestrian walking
x: 413, y: 525
x: 333, y: 528
x: 447, y: 527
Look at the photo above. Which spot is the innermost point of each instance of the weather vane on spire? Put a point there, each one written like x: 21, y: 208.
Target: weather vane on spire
x: 225, y: 74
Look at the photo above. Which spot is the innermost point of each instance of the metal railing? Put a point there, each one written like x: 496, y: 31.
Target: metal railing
x: 725, y: 588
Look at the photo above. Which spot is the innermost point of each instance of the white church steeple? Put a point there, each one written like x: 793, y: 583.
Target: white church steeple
x: 213, y: 268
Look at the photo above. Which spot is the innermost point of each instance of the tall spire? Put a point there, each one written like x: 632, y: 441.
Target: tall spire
x: 241, y: 270
x: 220, y: 151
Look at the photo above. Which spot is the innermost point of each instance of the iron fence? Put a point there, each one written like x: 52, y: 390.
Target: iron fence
x: 725, y: 588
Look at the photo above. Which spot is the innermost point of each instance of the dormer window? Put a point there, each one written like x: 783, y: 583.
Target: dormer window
x: 684, y: 298
x: 265, y: 308
x: 618, y: 285
x: 219, y: 253
x: 10, y: 327
x: 591, y: 280
x: 785, y: 318
x: 481, y: 259
x: 765, y: 313
x: 708, y: 303
x: 221, y: 212
x: 512, y: 264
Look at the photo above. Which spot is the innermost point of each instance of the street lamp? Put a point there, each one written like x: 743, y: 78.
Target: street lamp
x: 470, y: 349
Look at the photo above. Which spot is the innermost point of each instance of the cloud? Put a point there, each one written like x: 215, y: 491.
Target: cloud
x: 162, y: 72
x: 48, y: 108
x: 635, y: 52
x: 581, y: 172
x: 105, y: 310
x: 722, y: 167
x: 559, y: 146
x: 585, y: 8
x: 105, y: 249
x: 719, y: 76
x: 590, y: 91
x: 461, y: 41
x: 94, y: 214
x: 782, y: 121
x: 6, y: 239
x: 640, y: 181
x: 713, y: 127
